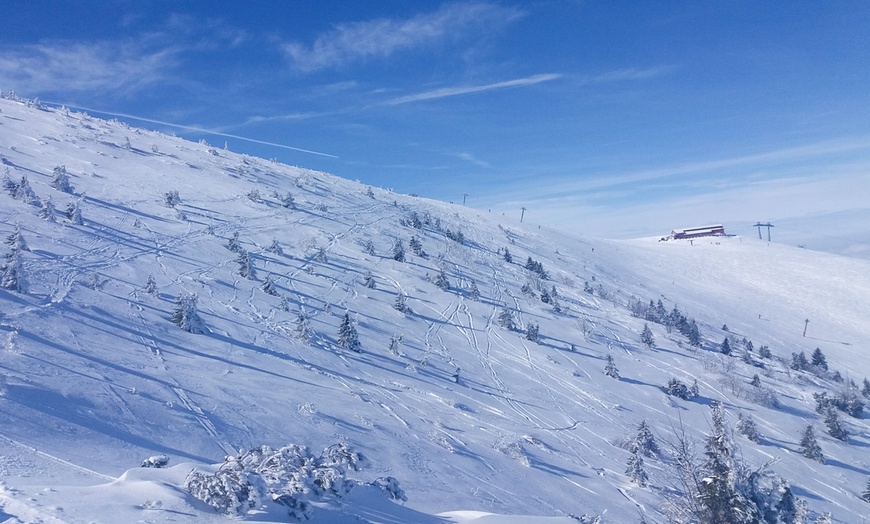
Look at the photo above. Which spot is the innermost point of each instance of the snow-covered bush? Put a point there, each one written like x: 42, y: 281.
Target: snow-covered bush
x: 157, y: 461
x: 290, y: 476
x: 676, y: 388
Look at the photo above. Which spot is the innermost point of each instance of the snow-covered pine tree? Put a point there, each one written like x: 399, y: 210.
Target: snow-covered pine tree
x: 321, y: 255
x: 47, y: 211
x: 186, y: 315
x: 368, y: 280
x: 288, y: 201
x: 441, y: 281
x: 718, y: 493
x: 825, y: 518
x: 809, y: 446
x: 275, y: 248
x: 506, y: 255
x: 635, y: 470
x: 9, y: 185
x: 835, y: 429
x: 819, y: 360
x: 506, y: 319
x: 694, y: 390
x: 610, y: 367
x: 532, y: 332
x: 646, y: 337
x: 746, y: 426
x: 15, y: 240
x: 473, y: 292
x: 756, y: 381
x: 60, y: 180
x: 398, y: 251
x: 399, y: 303
x: 369, y: 248
x: 246, y: 265
x: 799, y: 361
x: 74, y: 212
x: 395, y: 343
x: 12, y: 273
x: 151, y: 285
x: 24, y: 192
x: 233, y: 243
x: 171, y: 198
x: 644, y: 441
x: 303, y: 325
x: 347, y: 335
x: 268, y: 286
x: 725, y: 348
x: 416, y: 246
x: 866, y: 494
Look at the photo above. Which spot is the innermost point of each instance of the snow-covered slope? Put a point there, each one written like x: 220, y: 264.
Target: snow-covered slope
x: 470, y: 417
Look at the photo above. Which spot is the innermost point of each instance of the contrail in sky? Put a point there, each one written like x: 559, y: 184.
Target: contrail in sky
x: 194, y: 128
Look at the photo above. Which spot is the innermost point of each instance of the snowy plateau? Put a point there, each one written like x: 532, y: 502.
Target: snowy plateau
x: 321, y: 313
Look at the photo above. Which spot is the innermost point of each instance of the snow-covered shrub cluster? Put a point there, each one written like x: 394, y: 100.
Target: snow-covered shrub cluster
x: 290, y: 476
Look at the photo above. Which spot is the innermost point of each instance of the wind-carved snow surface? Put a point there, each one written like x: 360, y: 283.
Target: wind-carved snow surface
x: 476, y: 422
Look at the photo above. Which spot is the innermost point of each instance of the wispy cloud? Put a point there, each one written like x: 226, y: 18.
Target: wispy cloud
x: 626, y: 75
x: 465, y: 90
x: 383, y: 37
x: 65, y: 67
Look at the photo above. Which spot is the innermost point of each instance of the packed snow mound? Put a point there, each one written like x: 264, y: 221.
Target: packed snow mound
x: 168, y: 298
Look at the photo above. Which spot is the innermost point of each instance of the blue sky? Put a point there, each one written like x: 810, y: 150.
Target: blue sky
x: 606, y: 118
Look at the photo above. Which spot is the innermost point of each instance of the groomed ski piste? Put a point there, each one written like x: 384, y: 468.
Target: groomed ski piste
x: 477, y: 422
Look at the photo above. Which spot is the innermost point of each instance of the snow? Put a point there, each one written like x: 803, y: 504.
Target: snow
x: 99, y: 379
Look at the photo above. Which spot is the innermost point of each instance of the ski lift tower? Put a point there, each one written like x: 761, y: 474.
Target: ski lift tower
x: 759, y: 225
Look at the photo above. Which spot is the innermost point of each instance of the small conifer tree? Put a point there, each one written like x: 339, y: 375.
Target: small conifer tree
x: 185, y: 314
x: 809, y: 446
x: 819, y: 360
x: 74, y: 212
x: 269, y: 286
x: 725, y: 348
x: 506, y: 319
x: 60, y: 180
x: 303, y: 325
x: 47, y: 211
x: 610, y: 368
x: 246, y: 265
x: 646, y: 336
x: 866, y: 494
x: 368, y: 280
x: 635, y: 470
x: 399, y: 303
x: 644, y: 442
x: 12, y: 273
x: 532, y: 332
x: 473, y: 292
x: 398, y: 251
x: 288, y: 201
x: 416, y: 246
x: 507, y: 256
x: 275, y: 248
x: 835, y: 429
x: 441, y: 281
x: 151, y: 286
x: 746, y: 426
x: 16, y: 240
x: 347, y: 335
x: 233, y: 243
x: 756, y: 381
